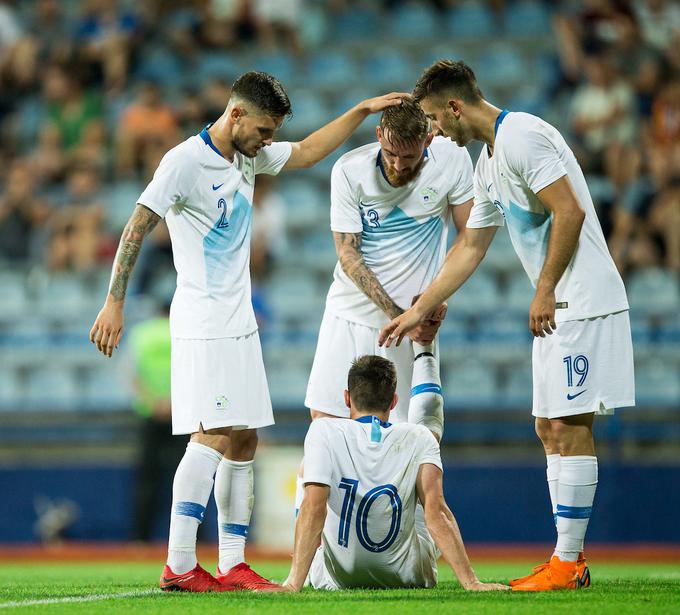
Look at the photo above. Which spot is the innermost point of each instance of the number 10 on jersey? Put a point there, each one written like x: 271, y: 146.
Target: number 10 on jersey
x: 350, y: 486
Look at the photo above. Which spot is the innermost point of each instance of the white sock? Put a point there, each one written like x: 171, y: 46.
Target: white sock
x: 553, y: 475
x: 576, y: 491
x: 190, y: 493
x: 426, y: 406
x: 234, y: 498
x: 299, y: 492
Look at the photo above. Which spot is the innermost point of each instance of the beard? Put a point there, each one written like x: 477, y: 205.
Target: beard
x: 241, y: 147
x: 401, y: 179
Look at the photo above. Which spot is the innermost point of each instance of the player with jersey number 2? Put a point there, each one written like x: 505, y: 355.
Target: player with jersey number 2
x: 204, y: 189
x: 528, y: 178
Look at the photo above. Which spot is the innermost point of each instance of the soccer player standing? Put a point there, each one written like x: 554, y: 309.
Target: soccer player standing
x: 391, y: 203
x: 204, y: 189
x: 528, y: 178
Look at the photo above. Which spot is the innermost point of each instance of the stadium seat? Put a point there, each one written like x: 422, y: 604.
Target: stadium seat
x: 470, y: 20
x: 51, y: 387
x: 655, y: 292
x: 519, y: 292
x: 530, y: 98
x: 307, y: 207
x: 121, y: 199
x: 288, y: 385
x: 293, y: 296
x: 518, y: 389
x: 63, y: 297
x: 388, y: 68
x: 309, y: 113
x: 10, y: 389
x: 413, y: 22
x: 14, y: 297
x: 280, y: 64
x: 657, y: 383
x: 106, y: 387
x: 317, y: 252
x: 331, y: 69
x: 478, y: 293
x: 527, y: 18
x: 355, y: 24
x: 501, y: 255
x: 217, y: 65
x: 160, y: 65
x: 501, y: 65
x: 469, y: 384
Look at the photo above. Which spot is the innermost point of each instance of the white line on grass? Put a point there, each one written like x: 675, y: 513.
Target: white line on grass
x: 69, y: 599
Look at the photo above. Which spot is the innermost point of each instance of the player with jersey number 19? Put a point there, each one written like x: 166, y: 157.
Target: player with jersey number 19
x: 363, y: 478
x: 204, y: 189
x: 528, y: 178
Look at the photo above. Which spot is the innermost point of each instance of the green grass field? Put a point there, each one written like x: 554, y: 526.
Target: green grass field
x: 79, y: 588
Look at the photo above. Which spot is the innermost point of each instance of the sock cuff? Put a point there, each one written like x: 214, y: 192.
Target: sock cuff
x: 205, y: 451
x: 577, y: 458
x: 237, y: 464
x: 553, y: 463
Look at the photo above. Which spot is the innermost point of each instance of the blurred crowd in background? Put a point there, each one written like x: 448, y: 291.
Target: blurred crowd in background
x: 94, y: 92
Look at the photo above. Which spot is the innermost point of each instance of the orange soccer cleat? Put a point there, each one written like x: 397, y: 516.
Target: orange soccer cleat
x: 243, y: 576
x: 552, y: 576
x: 196, y: 580
x: 581, y: 568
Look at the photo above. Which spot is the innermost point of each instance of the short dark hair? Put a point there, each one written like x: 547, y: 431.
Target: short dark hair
x: 448, y: 76
x: 263, y: 91
x: 371, y: 382
x: 406, y: 122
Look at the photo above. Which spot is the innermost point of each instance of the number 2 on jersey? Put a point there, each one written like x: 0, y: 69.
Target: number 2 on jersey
x: 222, y: 222
x: 350, y: 485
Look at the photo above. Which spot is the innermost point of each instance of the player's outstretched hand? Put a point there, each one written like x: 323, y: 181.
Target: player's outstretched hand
x: 380, y: 103
x: 395, y: 331
x: 542, y: 313
x: 478, y: 586
x: 108, y: 328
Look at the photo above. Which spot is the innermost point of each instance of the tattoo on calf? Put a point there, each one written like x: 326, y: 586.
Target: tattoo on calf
x: 140, y: 224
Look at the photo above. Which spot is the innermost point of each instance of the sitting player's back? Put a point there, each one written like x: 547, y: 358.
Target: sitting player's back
x: 370, y: 538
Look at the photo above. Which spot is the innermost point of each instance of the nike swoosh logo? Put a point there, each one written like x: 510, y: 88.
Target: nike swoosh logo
x: 570, y: 397
x: 489, y: 187
x: 218, y: 187
x: 178, y: 578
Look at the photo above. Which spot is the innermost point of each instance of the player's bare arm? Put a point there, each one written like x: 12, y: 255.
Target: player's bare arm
x: 108, y: 326
x: 559, y: 198
x: 321, y: 143
x: 308, y: 528
x: 444, y: 530
x: 461, y: 261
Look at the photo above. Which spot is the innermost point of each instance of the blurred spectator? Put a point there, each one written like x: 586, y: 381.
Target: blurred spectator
x: 279, y: 23
x: 665, y: 220
x: 159, y: 450
x: 77, y: 223
x: 69, y: 108
x: 106, y: 36
x: 604, y: 120
x: 22, y: 214
x: 48, y: 158
x: 659, y: 21
x: 664, y: 127
x: 228, y: 23
x: 268, y: 238
x: 147, y: 127
x: 191, y: 114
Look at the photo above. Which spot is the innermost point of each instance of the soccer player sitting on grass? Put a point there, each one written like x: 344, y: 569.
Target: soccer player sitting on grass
x: 362, y: 480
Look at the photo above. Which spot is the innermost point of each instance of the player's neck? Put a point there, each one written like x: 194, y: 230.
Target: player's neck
x: 358, y: 414
x: 483, y: 122
x: 220, y: 135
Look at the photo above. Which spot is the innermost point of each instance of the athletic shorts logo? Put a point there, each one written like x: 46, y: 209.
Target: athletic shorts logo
x: 570, y: 396
x: 221, y: 402
x: 214, y: 187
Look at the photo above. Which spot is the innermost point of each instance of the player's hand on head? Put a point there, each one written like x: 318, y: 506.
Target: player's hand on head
x: 542, y: 313
x: 107, y: 329
x: 380, y: 103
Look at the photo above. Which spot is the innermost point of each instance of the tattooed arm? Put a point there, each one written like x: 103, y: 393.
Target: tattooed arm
x: 108, y: 327
x: 352, y: 262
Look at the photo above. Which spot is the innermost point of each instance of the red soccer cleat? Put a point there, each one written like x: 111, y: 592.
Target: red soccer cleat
x: 196, y: 580
x: 555, y: 576
x: 243, y: 576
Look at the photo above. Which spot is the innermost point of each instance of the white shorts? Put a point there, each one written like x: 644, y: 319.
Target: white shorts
x: 219, y: 383
x: 584, y: 366
x: 342, y: 341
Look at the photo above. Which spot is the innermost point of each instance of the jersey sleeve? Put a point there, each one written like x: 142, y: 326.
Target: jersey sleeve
x: 463, y: 188
x: 270, y: 159
x: 430, y: 452
x: 174, y: 178
x: 536, y: 159
x: 345, y: 212
x: 318, y: 464
x: 483, y: 213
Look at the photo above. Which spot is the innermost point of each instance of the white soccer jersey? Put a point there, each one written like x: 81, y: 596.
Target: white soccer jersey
x: 207, y: 204
x: 369, y: 537
x: 528, y: 155
x: 403, y: 230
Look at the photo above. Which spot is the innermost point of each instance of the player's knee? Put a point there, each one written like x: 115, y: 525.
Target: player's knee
x: 427, y: 409
x: 544, y: 431
x: 243, y: 445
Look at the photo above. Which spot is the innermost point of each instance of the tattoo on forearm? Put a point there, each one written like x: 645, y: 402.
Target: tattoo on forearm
x: 352, y: 262
x: 140, y: 224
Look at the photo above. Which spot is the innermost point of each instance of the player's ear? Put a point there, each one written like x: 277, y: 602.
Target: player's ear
x: 395, y: 399
x: 454, y: 106
x: 236, y: 113
x: 348, y: 402
x: 378, y: 133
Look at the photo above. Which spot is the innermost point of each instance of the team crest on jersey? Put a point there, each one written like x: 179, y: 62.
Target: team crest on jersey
x: 221, y: 402
x: 429, y: 194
